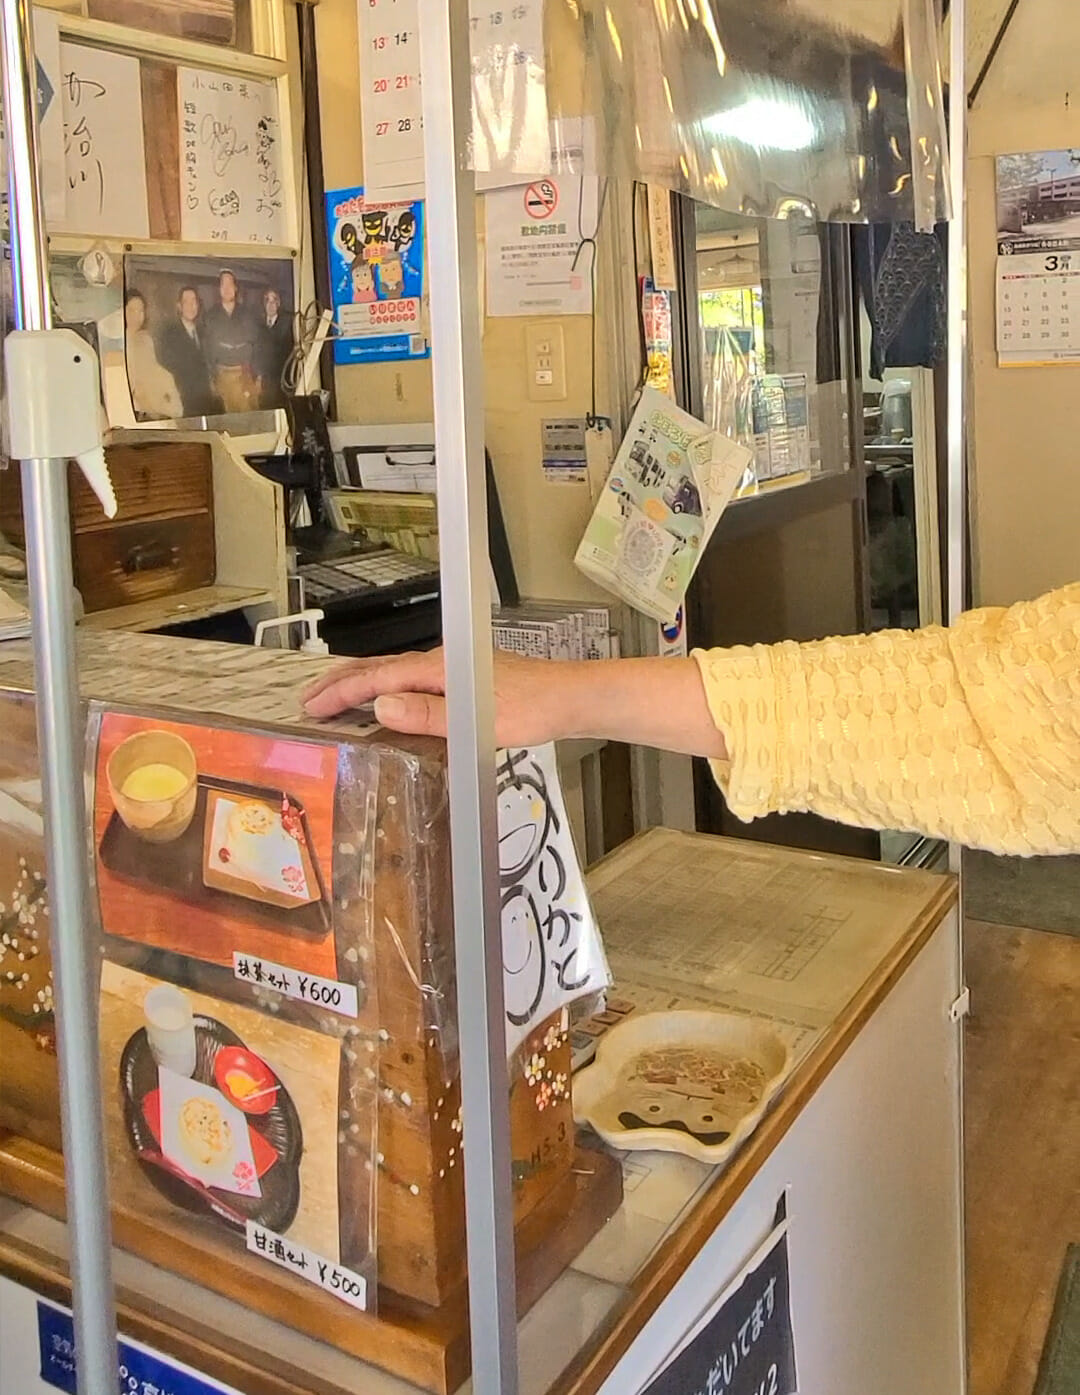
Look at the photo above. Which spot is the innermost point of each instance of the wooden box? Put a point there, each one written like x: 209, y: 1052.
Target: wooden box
x: 211, y: 21
x: 161, y: 541
x: 384, y: 849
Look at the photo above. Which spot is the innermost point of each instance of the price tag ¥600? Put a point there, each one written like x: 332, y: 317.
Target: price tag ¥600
x: 325, y: 993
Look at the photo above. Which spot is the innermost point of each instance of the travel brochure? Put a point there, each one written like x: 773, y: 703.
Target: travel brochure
x: 671, y: 480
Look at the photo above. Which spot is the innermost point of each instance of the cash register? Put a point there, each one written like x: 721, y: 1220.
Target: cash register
x: 375, y: 599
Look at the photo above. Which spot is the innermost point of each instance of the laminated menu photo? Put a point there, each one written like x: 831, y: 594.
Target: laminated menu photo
x: 212, y: 842
x: 671, y: 480
x: 239, y: 1036
x: 232, y: 1115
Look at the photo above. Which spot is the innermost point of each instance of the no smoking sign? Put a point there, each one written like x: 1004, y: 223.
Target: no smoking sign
x: 541, y: 199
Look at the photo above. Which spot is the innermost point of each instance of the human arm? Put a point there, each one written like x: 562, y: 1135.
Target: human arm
x: 971, y: 734
x: 650, y: 702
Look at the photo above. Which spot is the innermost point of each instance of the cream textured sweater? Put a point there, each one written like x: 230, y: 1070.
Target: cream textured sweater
x: 970, y: 733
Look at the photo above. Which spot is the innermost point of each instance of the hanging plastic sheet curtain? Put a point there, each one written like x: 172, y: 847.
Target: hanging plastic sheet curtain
x: 830, y: 109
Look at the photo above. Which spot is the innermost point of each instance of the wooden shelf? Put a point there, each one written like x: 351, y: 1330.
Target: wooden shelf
x: 145, y: 43
x: 177, y: 610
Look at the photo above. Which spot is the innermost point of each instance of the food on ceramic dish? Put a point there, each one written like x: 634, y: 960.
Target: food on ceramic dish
x: 204, y: 1132
x: 688, y: 1081
x: 245, y: 1079
x: 702, y: 1093
x: 261, y: 846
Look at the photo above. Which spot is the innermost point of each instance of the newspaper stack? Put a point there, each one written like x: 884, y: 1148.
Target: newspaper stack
x: 671, y: 481
x: 555, y: 630
x: 14, y: 618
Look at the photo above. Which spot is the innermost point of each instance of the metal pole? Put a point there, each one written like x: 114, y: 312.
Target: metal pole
x: 957, y: 505
x: 466, y: 607
x: 957, y: 377
x: 61, y: 752
x: 957, y: 314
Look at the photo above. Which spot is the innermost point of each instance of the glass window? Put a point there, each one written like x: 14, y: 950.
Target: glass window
x: 771, y: 373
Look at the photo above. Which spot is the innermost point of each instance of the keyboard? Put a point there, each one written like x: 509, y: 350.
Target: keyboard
x: 328, y: 583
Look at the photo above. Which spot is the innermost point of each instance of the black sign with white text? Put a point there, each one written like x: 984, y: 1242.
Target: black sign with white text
x: 745, y: 1346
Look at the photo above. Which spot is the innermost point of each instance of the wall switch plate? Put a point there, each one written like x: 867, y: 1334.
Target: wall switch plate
x: 545, y: 361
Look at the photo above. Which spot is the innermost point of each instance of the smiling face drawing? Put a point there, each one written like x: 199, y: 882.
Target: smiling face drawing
x: 696, y: 1092
x: 524, y: 820
x: 523, y: 956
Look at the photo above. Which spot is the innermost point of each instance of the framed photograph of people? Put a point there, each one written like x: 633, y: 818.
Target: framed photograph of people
x: 206, y: 337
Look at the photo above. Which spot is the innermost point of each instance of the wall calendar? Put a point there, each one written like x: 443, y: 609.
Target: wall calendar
x: 1038, y: 262
x: 1038, y: 308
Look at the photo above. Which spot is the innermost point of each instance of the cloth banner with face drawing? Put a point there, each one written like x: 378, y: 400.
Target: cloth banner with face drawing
x: 552, y: 951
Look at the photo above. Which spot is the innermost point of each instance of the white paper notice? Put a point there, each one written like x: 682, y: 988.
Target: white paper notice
x: 50, y: 120
x: 533, y: 235
x: 510, y: 111
x: 343, y: 1283
x: 305, y: 988
x: 572, y: 151
x: 1038, y: 308
x: 231, y: 177
x: 104, y: 158
x: 391, y: 119
x: 50, y: 114
x: 552, y: 951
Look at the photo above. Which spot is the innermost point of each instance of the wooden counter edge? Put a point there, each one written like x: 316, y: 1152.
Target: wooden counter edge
x: 194, y: 1344
x: 587, y: 1372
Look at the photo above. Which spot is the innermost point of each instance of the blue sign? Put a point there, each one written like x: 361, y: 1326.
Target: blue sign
x: 376, y: 277
x: 139, y: 1373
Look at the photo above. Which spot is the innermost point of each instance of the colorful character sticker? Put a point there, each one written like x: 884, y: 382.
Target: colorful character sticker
x: 377, y: 278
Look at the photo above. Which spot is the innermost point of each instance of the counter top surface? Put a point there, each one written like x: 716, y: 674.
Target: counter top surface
x: 237, y: 682
x: 813, y: 943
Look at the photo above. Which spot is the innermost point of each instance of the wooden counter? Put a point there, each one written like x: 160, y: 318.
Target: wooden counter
x: 820, y: 945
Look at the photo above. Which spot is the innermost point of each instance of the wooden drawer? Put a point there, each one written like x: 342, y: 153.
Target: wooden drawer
x: 117, y: 566
x: 161, y: 541
x: 159, y: 480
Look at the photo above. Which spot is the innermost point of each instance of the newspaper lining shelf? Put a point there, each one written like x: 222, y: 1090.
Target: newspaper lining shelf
x: 14, y: 618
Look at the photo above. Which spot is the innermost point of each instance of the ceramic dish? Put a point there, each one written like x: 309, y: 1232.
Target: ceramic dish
x: 682, y: 1082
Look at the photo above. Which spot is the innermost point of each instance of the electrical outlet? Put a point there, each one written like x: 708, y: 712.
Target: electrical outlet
x: 545, y: 361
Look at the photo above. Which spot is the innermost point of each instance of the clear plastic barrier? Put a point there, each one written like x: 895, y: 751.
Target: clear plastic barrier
x: 831, y: 110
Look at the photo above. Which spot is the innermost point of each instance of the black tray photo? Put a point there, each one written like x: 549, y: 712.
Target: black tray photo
x: 278, y: 1129
x: 180, y: 868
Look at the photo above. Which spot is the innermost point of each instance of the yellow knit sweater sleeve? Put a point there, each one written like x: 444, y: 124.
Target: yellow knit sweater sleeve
x: 970, y: 733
